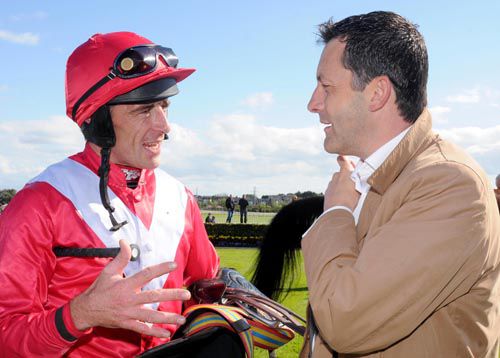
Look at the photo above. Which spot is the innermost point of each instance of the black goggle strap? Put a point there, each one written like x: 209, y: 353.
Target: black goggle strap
x: 91, y: 90
x: 103, y: 189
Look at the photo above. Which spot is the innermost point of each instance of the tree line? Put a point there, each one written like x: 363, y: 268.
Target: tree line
x: 6, y: 195
x: 218, y: 202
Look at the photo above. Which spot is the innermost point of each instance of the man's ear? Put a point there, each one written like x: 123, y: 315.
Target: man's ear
x: 380, y: 92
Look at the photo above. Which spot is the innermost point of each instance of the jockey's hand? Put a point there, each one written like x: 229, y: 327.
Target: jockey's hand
x: 115, y: 301
x: 341, y: 189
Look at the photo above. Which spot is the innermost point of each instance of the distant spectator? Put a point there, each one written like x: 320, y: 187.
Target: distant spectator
x: 210, y: 219
x: 497, y: 190
x: 230, y: 208
x: 243, y: 203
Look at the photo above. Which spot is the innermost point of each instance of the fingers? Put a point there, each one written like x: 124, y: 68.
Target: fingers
x: 149, y: 316
x: 345, y: 163
x: 171, y: 294
x: 341, y: 190
x: 146, y: 329
x: 143, y: 320
x: 118, y: 264
x: 147, y: 274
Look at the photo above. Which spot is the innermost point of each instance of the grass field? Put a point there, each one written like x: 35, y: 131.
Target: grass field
x: 243, y: 259
x: 252, y: 218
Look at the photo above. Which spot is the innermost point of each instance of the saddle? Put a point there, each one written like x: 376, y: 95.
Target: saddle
x: 229, y: 317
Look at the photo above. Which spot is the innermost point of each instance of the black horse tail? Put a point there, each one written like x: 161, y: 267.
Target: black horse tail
x: 276, y: 264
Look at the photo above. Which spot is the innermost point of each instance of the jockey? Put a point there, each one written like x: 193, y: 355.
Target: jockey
x: 62, y: 293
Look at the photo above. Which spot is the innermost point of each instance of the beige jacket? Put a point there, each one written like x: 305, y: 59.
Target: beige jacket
x: 419, y: 275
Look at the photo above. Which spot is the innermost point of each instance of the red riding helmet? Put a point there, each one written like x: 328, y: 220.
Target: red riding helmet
x: 108, y: 66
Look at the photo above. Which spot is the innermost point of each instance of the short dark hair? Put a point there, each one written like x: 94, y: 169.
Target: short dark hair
x: 384, y: 43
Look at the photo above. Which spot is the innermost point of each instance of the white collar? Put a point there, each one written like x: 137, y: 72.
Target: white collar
x: 364, y: 169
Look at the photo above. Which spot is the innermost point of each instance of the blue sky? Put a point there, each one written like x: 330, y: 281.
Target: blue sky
x: 240, y: 122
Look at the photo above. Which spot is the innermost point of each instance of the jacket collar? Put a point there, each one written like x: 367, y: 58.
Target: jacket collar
x: 416, y: 140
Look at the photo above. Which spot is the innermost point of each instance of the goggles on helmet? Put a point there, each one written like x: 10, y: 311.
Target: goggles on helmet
x: 141, y: 60
x: 131, y: 63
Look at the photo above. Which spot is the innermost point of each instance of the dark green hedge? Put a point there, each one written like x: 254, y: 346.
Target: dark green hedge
x: 239, y: 235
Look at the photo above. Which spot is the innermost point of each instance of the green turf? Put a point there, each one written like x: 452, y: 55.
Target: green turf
x: 243, y: 260
x: 252, y: 218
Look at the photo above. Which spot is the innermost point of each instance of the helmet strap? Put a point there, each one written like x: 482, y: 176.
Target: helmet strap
x: 103, y: 188
x: 100, y: 131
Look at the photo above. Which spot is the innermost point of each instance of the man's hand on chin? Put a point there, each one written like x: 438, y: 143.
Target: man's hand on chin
x: 341, y: 189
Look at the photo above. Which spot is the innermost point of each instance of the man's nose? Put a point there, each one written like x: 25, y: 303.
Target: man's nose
x: 160, y: 122
x: 316, y: 102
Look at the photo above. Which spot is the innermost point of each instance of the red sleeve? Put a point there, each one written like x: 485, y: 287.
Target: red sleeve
x: 203, y: 261
x: 27, y: 263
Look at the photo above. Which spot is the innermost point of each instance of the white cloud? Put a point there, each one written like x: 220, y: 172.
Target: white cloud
x: 231, y: 154
x: 473, y: 137
x: 37, y: 15
x: 261, y: 99
x: 29, y: 146
x: 25, y: 38
x: 439, y: 110
x: 468, y: 96
x: 479, y: 94
x: 235, y: 153
x: 5, y: 166
x: 439, y: 114
x: 492, y: 96
x: 482, y: 143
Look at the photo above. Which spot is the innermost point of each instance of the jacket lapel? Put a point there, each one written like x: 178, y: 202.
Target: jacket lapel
x: 370, y: 206
x: 414, y: 142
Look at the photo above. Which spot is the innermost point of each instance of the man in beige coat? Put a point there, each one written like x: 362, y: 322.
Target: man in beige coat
x: 405, y: 259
